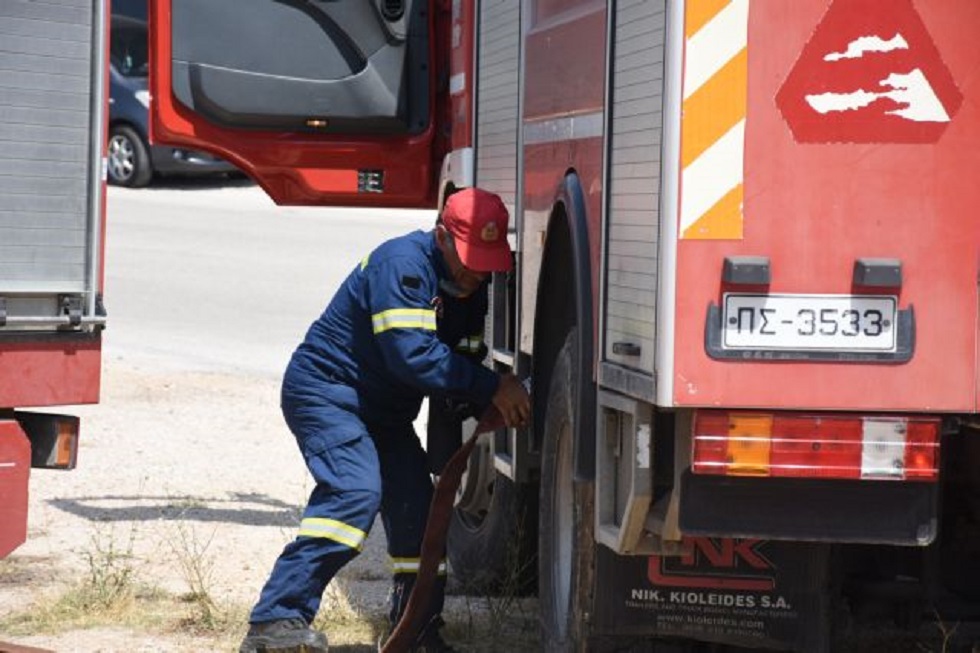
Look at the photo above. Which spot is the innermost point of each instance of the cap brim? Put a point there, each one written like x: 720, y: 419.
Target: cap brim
x: 495, y: 258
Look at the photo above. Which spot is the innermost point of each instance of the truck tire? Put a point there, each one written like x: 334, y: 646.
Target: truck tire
x: 493, y: 553
x: 128, y: 158
x: 566, y: 566
x: 490, y: 554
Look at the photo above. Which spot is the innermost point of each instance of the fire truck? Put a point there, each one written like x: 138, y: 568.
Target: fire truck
x: 745, y: 291
x: 52, y: 137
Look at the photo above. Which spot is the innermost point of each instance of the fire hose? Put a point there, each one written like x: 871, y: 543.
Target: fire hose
x: 412, y: 621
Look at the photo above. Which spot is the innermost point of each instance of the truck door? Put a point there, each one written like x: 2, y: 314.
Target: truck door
x: 329, y: 102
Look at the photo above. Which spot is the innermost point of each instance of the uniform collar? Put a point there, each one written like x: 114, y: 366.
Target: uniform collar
x: 435, y: 255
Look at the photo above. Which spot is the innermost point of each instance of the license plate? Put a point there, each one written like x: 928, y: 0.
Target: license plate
x: 835, y: 323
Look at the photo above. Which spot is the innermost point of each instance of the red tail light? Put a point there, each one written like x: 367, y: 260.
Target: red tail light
x: 870, y: 447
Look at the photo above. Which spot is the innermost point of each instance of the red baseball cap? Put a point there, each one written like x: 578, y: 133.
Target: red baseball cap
x: 478, y: 220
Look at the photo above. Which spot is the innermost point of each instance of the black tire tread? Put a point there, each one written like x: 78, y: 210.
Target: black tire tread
x: 576, y: 624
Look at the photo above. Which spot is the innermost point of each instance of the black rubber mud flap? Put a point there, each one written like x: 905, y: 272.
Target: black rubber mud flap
x: 740, y: 592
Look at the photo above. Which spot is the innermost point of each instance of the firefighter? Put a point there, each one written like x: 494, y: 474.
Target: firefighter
x: 350, y: 394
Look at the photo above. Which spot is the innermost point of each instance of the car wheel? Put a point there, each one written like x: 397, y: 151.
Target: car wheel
x: 128, y: 158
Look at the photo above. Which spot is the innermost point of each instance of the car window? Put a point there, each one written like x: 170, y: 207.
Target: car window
x: 128, y: 50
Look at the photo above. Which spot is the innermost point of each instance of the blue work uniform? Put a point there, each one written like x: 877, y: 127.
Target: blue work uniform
x: 463, y: 323
x: 350, y: 394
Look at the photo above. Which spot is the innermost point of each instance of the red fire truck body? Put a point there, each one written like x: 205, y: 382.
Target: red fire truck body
x: 53, y: 67
x: 745, y: 282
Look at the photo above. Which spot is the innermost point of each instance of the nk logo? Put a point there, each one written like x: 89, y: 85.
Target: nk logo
x: 710, y: 563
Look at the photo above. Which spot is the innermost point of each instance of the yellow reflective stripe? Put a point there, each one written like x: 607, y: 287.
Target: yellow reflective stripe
x: 364, y: 261
x: 404, y: 318
x: 471, y: 344
x: 411, y: 566
x: 333, y: 530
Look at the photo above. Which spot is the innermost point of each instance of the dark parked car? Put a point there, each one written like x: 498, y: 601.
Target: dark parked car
x: 131, y: 159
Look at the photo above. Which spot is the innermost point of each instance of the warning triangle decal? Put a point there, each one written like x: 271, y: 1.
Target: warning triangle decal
x: 870, y: 73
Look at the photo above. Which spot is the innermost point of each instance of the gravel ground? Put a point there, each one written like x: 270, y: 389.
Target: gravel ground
x: 187, y: 448
x: 171, y: 457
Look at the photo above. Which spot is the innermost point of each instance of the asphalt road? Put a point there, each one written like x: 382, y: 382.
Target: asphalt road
x: 210, y: 276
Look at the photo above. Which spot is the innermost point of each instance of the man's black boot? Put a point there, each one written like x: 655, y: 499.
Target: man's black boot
x: 283, y: 636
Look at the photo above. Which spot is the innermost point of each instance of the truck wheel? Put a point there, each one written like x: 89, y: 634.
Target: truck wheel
x: 566, y: 565
x: 128, y: 158
x: 493, y: 530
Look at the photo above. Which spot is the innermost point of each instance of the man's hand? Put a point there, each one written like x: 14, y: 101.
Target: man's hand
x: 512, y: 400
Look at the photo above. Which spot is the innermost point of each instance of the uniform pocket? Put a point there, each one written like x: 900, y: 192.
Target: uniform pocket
x: 335, y: 445
x: 343, y: 464
x: 317, y: 427
x: 314, y: 444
